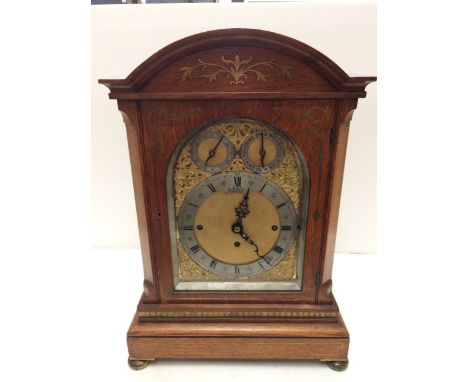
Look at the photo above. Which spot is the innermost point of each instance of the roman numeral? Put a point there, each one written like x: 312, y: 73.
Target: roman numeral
x: 286, y: 228
x: 278, y: 249
x: 211, y: 187
x: 195, y: 248
x: 213, y: 264
x: 188, y: 228
x: 266, y: 261
x: 263, y: 187
x: 193, y: 205
x: 236, y: 270
x: 281, y: 205
x: 261, y: 265
x: 237, y: 181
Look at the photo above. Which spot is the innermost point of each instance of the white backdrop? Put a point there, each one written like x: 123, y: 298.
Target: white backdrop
x: 74, y: 305
x: 124, y: 36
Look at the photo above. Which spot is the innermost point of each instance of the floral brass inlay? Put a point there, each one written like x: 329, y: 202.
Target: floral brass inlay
x: 237, y: 69
x: 160, y: 116
x: 187, y: 175
x: 315, y: 115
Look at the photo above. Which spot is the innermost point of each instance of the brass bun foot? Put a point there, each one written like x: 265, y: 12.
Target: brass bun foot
x: 137, y: 364
x: 337, y: 365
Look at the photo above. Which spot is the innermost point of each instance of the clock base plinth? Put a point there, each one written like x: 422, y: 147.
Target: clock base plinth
x: 324, y: 341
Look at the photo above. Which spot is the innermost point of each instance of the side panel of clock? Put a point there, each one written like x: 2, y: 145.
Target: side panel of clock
x: 164, y: 124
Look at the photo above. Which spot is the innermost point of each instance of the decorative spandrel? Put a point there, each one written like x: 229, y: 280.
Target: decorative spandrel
x: 187, y: 175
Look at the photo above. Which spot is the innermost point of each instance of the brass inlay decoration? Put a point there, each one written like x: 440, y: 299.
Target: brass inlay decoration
x: 187, y: 175
x: 237, y: 69
x: 180, y: 314
x: 315, y: 115
x: 161, y: 117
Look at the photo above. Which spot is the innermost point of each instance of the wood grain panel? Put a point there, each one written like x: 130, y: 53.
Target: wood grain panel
x: 238, y: 348
x: 166, y: 123
x: 131, y: 117
x: 213, y: 95
x: 308, y: 330
x: 344, y: 115
x: 300, y: 75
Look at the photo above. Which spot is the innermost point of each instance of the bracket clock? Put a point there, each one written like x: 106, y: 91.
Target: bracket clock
x: 237, y: 143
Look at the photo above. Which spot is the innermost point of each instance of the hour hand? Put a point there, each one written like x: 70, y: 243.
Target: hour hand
x: 243, y: 209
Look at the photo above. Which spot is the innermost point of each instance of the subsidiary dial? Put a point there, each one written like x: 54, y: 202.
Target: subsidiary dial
x: 212, y: 152
x: 262, y: 151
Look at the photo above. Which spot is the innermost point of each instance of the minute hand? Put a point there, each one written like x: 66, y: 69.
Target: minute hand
x: 251, y: 242
x: 238, y: 229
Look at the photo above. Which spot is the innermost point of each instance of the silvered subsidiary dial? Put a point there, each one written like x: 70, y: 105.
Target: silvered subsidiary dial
x: 237, y: 224
x: 262, y: 151
x: 212, y: 151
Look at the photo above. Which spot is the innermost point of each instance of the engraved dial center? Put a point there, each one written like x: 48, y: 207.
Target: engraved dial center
x: 217, y: 217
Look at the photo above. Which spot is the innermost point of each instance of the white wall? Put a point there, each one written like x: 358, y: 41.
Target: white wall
x: 124, y: 36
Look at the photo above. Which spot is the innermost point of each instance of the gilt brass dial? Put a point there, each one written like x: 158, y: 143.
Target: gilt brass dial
x: 212, y: 152
x: 262, y: 151
x: 237, y: 224
x: 207, y: 253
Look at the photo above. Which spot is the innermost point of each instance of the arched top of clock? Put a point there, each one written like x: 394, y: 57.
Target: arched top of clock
x: 237, y: 63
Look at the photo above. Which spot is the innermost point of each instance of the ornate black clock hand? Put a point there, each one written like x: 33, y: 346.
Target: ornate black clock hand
x: 212, y: 152
x: 238, y: 229
x: 243, y: 210
x: 262, y: 153
x: 251, y: 242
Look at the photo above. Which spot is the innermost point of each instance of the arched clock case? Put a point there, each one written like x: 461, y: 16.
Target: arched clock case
x: 237, y: 143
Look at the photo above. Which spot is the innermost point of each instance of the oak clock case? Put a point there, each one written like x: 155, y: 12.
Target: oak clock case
x: 240, y: 227
x: 237, y: 142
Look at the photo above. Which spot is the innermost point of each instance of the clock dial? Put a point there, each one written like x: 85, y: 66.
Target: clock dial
x: 237, y: 224
x: 262, y: 151
x: 212, y: 152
